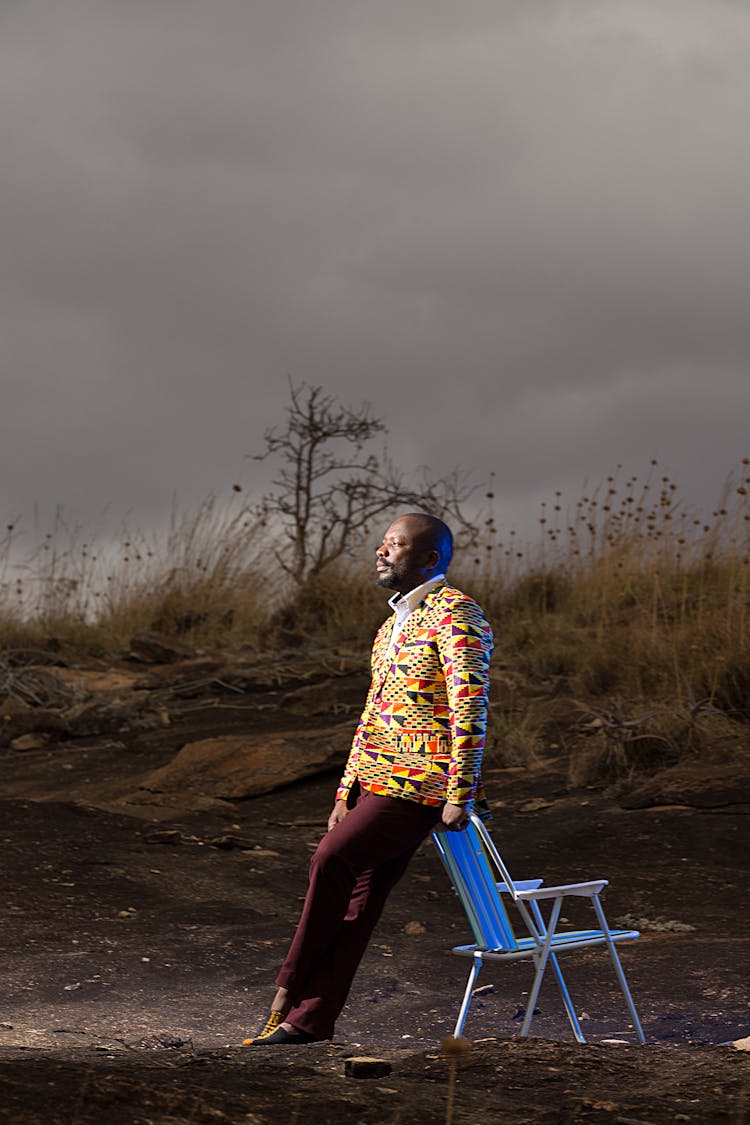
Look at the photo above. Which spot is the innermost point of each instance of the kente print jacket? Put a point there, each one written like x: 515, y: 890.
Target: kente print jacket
x: 422, y: 731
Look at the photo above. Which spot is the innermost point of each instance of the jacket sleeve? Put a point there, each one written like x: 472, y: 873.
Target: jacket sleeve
x: 351, y: 769
x: 465, y: 646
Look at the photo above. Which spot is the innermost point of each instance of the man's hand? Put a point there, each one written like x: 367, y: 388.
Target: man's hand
x: 339, y: 812
x: 454, y: 817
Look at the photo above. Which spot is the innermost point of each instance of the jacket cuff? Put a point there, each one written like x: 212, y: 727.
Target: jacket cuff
x: 458, y: 794
x: 343, y: 791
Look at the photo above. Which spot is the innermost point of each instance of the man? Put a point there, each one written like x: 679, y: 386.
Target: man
x: 414, y: 763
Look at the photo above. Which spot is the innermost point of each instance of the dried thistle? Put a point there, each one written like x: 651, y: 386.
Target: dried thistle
x: 456, y: 1050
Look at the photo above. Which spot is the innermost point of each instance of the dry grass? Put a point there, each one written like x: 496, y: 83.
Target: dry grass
x: 629, y: 609
x: 633, y: 606
x: 208, y: 577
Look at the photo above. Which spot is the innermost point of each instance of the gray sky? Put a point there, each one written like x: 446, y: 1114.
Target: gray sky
x: 519, y: 228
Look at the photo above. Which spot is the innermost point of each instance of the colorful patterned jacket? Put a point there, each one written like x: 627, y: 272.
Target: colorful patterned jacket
x: 421, y: 734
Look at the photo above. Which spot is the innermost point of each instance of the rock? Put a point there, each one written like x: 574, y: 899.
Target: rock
x: 247, y: 680
x: 186, y: 679
x: 700, y: 785
x: 338, y: 694
x: 237, y: 766
x: 110, y: 716
x: 654, y: 925
x: 38, y: 687
x: 25, y: 657
x: 363, y: 1067
x: 742, y: 1044
x: 537, y: 804
x: 155, y: 648
x: 30, y: 742
x: 414, y: 928
x: 165, y: 836
x: 11, y: 706
x: 325, y: 683
x: 91, y: 682
x: 15, y: 723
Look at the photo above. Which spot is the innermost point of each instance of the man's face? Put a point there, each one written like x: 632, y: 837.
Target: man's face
x: 405, y: 558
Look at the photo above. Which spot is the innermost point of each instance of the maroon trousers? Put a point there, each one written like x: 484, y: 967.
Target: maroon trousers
x: 353, y: 871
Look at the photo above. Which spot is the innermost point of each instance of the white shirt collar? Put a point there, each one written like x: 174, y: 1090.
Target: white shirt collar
x: 403, y: 605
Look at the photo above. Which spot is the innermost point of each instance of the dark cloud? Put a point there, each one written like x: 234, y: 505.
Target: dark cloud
x: 519, y: 230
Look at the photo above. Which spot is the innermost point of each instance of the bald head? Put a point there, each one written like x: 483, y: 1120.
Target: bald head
x: 415, y: 548
x: 433, y: 534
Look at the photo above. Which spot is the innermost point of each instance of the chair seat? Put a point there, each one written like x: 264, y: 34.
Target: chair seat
x: 526, y: 947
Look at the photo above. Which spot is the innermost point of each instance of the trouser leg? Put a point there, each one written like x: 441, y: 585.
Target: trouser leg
x: 354, y: 869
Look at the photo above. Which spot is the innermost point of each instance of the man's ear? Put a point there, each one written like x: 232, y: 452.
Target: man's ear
x: 433, y: 559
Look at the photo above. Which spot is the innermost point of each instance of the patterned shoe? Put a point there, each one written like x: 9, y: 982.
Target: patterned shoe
x: 282, y: 1037
x: 273, y: 1021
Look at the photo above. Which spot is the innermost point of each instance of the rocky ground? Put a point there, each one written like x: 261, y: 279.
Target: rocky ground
x: 157, y: 817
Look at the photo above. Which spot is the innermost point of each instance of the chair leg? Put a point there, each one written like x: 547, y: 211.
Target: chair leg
x: 572, y: 1017
x: 541, y: 957
x: 540, y: 965
x: 619, y: 971
x: 571, y: 1012
x: 466, y: 1002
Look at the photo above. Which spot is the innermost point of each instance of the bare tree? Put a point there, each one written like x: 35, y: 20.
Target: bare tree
x: 329, y: 486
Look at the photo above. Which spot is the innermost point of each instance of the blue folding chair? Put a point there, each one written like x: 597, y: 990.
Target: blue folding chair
x: 482, y: 881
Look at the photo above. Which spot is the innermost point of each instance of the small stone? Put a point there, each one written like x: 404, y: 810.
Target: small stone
x: 537, y: 804
x: 363, y: 1067
x: 413, y: 928
x: 72, y: 987
x: 742, y: 1044
x: 483, y: 990
x: 227, y: 842
x: 520, y: 1012
x: 29, y: 742
x: 164, y: 836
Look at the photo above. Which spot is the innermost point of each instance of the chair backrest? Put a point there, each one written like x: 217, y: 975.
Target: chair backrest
x: 468, y: 864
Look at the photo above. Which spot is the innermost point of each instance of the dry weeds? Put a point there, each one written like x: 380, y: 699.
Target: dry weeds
x: 629, y: 607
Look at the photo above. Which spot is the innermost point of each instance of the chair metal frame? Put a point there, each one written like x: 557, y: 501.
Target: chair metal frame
x: 481, y: 881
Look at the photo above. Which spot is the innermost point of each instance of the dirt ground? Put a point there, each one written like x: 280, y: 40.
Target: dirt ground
x: 140, y: 945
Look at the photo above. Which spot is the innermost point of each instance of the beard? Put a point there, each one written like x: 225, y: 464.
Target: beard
x: 387, y: 579
x: 401, y: 575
